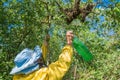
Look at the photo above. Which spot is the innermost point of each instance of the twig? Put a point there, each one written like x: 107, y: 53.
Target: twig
x: 75, y: 71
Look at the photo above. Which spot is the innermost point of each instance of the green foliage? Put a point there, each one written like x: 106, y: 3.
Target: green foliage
x: 23, y: 24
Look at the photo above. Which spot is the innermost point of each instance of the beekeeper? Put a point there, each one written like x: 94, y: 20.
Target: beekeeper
x: 29, y: 64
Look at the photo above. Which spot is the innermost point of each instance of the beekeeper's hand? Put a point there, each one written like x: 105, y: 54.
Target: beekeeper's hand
x: 69, y: 37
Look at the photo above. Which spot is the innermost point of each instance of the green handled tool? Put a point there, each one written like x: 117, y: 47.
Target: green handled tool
x: 82, y: 50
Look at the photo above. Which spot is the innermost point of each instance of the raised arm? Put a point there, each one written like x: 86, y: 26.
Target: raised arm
x: 57, y: 70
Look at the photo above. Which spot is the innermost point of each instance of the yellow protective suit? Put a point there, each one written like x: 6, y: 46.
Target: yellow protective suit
x: 55, y: 71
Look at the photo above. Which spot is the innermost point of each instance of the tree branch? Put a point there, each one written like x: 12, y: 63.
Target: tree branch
x: 73, y: 13
x: 77, y: 4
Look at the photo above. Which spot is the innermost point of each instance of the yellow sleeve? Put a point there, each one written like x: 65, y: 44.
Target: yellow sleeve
x: 55, y: 71
x: 44, y: 49
x: 58, y: 69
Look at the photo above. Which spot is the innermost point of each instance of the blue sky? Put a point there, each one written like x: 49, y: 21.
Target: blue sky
x: 96, y: 27
x: 105, y: 3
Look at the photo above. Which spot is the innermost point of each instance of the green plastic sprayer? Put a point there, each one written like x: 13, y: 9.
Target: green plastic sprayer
x: 82, y: 50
